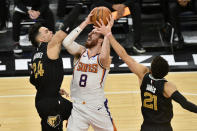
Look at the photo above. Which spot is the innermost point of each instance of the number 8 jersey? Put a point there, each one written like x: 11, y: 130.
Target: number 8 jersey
x: 88, y: 80
x: 156, y: 108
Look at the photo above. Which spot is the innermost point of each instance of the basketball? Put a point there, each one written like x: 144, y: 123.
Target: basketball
x: 100, y: 13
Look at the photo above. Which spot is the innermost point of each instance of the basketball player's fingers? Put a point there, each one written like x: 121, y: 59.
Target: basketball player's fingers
x: 94, y: 30
x: 97, y: 31
x: 107, y: 20
x: 98, y: 24
x: 95, y: 27
x: 102, y: 23
x: 67, y: 94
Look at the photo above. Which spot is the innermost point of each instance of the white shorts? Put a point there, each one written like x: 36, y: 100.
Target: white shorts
x: 83, y: 115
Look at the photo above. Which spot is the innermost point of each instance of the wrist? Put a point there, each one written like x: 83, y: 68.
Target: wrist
x: 108, y: 34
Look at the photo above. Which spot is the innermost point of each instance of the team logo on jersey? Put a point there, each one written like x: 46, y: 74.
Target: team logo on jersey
x: 87, y: 67
x: 54, y: 121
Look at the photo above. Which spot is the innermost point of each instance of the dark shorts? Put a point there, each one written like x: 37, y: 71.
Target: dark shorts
x: 156, y: 127
x: 53, y: 111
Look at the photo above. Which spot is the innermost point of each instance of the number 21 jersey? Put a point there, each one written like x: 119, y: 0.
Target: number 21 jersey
x: 156, y: 109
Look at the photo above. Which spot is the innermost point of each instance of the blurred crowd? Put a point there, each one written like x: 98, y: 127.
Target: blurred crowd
x: 39, y: 11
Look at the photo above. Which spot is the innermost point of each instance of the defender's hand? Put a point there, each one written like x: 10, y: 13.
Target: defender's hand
x: 63, y: 92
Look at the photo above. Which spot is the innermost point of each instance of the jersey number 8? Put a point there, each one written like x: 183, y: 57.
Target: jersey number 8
x: 83, y: 80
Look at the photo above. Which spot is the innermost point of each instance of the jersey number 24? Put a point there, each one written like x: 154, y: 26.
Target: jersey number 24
x: 38, y: 70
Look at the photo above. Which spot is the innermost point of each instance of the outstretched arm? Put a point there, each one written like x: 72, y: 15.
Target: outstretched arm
x: 139, y: 69
x: 54, y: 46
x: 104, y: 57
x: 71, y: 46
x: 170, y: 90
x: 135, y: 67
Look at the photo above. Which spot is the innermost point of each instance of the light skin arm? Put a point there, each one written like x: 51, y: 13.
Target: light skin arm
x: 82, y: 48
x: 54, y: 46
x: 104, y: 56
x: 169, y: 89
x: 138, y: 69
x: 135, y: 67
x: 72, y: 36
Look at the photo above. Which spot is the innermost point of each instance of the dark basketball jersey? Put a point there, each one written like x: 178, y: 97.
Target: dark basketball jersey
x: 156, y: 109
x: 47, y: 74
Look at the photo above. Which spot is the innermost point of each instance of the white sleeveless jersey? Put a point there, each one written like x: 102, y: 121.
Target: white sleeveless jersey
x: 88, y: 80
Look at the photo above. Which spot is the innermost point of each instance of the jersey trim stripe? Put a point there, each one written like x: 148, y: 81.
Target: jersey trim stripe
x: 103, y: 75
x: 79, y: 59
x: 98, y: 61
x: 107, y: 109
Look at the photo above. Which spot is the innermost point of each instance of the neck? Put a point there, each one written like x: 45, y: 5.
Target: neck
x: 93, y: 51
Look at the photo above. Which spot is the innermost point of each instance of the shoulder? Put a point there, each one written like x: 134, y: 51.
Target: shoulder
x: 169, y: 89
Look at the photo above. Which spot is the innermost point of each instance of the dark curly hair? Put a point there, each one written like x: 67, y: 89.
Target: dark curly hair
x: 159, y: 67
x: 33, y: 32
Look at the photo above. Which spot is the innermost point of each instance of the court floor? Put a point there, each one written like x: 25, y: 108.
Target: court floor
x: 18, y: 113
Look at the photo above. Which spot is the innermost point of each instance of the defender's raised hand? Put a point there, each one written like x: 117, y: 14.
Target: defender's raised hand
x: 105, y: 30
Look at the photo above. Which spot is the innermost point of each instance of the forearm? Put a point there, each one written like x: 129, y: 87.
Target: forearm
x: 83, y: 25
x: 118, y: 48
x: 58, y: 38
x: 74, y: 34
x: 105, y: 53
x: 71, y: 46
x: 179, y: 98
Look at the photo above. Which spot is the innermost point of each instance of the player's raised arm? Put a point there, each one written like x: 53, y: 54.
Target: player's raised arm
x: 104, y: 57
x: 135, y: 67
x: 69, y: 43
x: 139, y: 69
x: 54, y: 46
x: 170, y: 90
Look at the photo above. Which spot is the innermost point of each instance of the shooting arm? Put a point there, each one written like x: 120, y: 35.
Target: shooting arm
x: 71, y: 46
x: 104, y: 57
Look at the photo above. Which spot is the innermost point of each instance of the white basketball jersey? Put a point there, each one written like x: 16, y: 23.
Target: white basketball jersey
x: 88, y: 80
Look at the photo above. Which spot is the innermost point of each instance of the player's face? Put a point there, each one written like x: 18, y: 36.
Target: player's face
x: 45, y: 35
x: 92, y: 40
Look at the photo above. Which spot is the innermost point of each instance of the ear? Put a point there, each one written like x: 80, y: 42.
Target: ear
x: 40, y: 39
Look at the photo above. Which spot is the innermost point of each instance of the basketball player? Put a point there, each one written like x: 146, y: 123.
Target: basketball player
x: 87, y: 87
x: 156, y: 92
x: 47, y: 73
